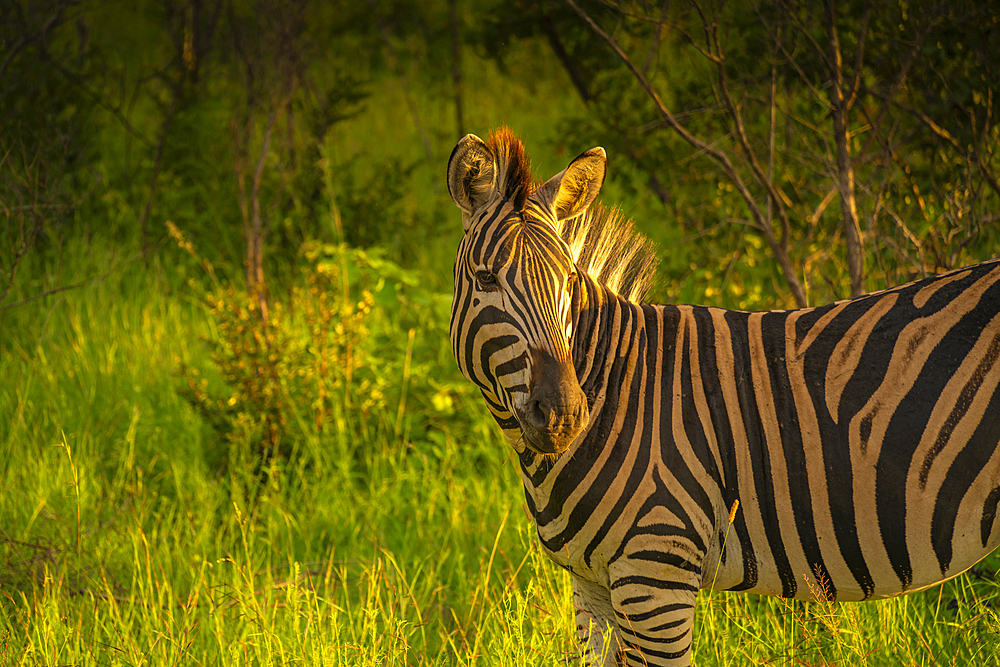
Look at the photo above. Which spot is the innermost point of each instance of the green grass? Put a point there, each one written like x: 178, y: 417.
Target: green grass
x: 954, y: 624
x: 124, y: 543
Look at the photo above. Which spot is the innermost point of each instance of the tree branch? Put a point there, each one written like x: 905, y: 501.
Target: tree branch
x: 972, y: 157
x: 859, y: 54
x: 549, y: 28
x: 114, y: 111
x: 40, y: 33
x: 741, y: 133
x: 82, y: 283
x: 717, y: 155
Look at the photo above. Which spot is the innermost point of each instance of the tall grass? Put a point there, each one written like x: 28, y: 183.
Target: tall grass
x: 136, y: 531
x: 124, y: 542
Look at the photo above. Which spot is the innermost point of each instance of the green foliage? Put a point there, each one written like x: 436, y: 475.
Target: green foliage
x: 352, y: 344
x: 924, y: 176
x: 370, y: 547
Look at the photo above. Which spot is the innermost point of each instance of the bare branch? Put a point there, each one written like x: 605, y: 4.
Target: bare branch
x: 859, y: 54
x: 972, y: 157
x: 904, y: 70
x: 707, y: 52
x: 820, y: 97
x: 807, y: 33
x: 814, y: 218
x: 654, y: 47
x: 39, y: 34
x: 114, y: 111
x: 758, y: 172
x: 718, y: 156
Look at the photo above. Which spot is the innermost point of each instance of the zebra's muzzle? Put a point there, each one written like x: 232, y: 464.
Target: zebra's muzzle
x: 556, y: 410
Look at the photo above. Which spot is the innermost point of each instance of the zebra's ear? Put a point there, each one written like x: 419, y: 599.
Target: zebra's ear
x: 575, y: 188
x: 472, y: 175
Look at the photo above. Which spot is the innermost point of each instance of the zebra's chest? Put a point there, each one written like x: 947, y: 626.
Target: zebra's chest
x: 578, y: 554
x: 574, y: 529
x: 591, y: 533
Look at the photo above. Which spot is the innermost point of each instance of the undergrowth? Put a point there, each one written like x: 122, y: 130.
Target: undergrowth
x: 137, y: 527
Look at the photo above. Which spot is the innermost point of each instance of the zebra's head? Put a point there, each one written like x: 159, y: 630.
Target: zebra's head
x: 516, y: 287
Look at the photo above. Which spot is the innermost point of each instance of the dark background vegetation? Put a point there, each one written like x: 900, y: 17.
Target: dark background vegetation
x: 783, y: 153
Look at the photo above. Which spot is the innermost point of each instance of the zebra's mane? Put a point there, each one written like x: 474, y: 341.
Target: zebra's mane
x: 606, y: 246
x: 603, y: 243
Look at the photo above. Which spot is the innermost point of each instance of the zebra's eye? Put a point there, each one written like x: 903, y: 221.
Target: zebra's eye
x: 486, y: 279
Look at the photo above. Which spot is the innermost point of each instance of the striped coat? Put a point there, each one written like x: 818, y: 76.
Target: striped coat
x: 860, y: 438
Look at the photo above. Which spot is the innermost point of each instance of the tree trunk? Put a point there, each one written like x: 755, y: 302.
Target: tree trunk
x: 560, y: 52
x: 844, y: 175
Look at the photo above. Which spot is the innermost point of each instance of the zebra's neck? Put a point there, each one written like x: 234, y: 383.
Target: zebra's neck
x: 609, y: 350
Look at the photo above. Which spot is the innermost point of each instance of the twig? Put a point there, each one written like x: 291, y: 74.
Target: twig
x: 157, y: 164
x: 859, y: 53
x: 972, y: 157
x: 115, y: 111
x: 844, y: 163
x: 718, y: 156
x: 26, y: 38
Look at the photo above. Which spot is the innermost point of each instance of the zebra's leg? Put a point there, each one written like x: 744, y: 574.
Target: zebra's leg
x: 655, y: 618
x: 596, y: 628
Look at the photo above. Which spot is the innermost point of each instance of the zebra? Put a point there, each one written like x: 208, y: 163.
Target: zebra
x: 846, y: 452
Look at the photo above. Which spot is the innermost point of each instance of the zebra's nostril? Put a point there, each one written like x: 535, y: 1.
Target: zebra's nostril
x: 538, y: 415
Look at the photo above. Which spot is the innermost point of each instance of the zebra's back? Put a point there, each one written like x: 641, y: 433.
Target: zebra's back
x: 861, y: 437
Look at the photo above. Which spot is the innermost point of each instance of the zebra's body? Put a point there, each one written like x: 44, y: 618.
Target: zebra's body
x: 860, y: 438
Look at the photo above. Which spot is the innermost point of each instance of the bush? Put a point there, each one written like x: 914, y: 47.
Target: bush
x: 355, y: 352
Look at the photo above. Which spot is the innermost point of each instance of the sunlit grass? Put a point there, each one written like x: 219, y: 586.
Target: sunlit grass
x: 953, y: 624
x: 125, y: 542
x: 122, y: 544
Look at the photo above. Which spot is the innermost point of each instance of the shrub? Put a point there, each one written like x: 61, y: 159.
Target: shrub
x: 354, y: 352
